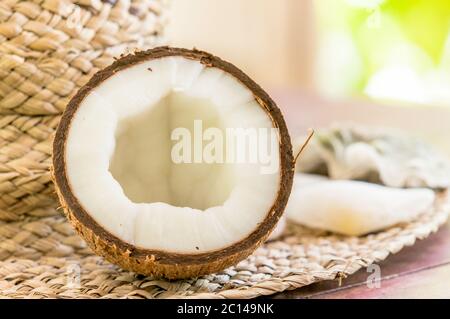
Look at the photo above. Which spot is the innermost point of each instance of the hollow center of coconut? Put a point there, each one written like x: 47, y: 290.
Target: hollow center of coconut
x: 147, y: 169
x: 171, y: 147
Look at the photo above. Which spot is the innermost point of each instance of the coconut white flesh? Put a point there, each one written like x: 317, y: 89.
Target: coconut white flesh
x: 353, y: 207
x: 119, y: 164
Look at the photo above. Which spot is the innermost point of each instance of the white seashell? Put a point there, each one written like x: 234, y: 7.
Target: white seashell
x: 376, y: 155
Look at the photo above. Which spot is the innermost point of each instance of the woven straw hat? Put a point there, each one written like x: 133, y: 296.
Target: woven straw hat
x: 25, y: 158
x: 48, y: 49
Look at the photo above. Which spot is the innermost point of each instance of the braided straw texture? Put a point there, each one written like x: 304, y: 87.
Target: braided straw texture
x: 49, y: 48
x: 35, y: 238
x: 25, y: 158
x: 45, y: 259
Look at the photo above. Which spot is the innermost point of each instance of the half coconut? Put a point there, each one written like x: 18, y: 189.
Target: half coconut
x: 145, y: 172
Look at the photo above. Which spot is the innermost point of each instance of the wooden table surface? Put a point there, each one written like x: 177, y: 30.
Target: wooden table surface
x: 420, y: 271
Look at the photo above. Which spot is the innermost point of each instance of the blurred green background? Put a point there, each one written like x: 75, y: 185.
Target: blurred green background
x: 386, y: 49
x: 395, y: 50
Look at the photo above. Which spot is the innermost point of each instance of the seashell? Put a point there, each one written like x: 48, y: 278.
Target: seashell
x: 375, y: 155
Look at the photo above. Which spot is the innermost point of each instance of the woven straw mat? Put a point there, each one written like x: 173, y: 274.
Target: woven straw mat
x: 49, y: 48
x: 42, y: 258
